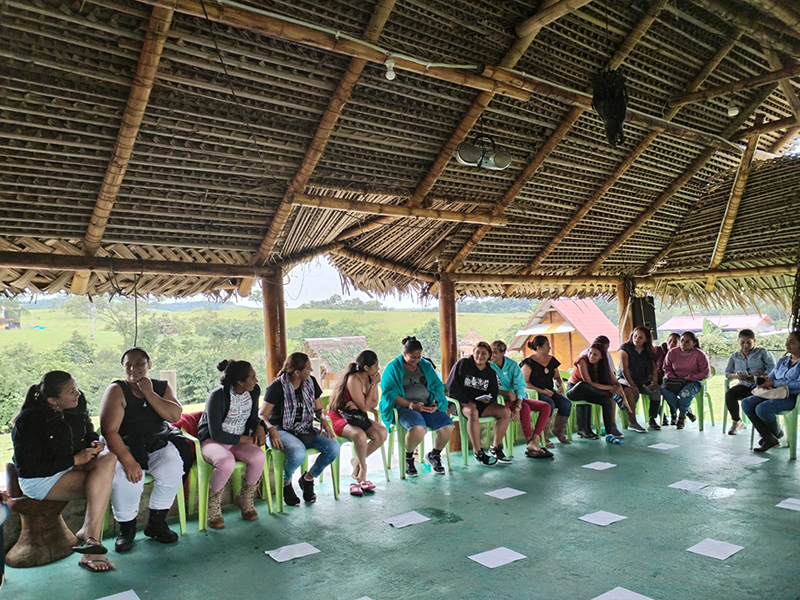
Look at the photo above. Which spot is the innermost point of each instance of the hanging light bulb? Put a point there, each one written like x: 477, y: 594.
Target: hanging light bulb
x: 390, y: 74
x: 733, y: 108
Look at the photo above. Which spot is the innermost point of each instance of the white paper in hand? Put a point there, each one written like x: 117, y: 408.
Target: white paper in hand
x: 504, y: 493
x: 497, y: 557
x: 406, y: 519
x: 715, y: 549
x: 622, y: 594
x: 602, y: 518
x: 751, y: 460
x: 661, y: 446
x: 129, y: 595
x: 790, y: 503
x: 686, y: 484
x: 599, y: 466
x: 285, y: 553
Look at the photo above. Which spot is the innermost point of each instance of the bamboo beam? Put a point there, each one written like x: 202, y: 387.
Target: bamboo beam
x: 386, y: 265
x: 736, y: 86
x: 276, y: 26
x: 785, y: 140
x: 787, y: 269
x: 323, y: 133
x: 786, y: 86
x: 788, y: 15
x: 480, y: 278
x: 274, y: 324
x: 732, y: 209
x: 767, y: 127
x: 105, y: 264
x: 625, y: 312
x: 517, y: 50
x: 154, y: 38
x: 548, y: 15
x: 288, y: 262
x: 373, y: 208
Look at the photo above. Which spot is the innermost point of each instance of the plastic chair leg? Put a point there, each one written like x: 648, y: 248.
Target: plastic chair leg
x: 266, y: 488
x: 385, y: 463
x: 193, y: 489
x: 236, y: 480
x: 401, y: 449
x: 278, y: 459
x: 182, y: 511
x: 387, y: 460
x: 203, y: 483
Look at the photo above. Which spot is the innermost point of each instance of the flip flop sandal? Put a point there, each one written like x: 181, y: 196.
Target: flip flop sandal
x: 90, y: 546
x: 543, y: 454
x: 86, y: 565
x: 368, y: 486
x: 355, y: 490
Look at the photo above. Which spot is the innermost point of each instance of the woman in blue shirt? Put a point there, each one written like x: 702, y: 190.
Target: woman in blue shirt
x: 763, y: 411
x: 745, y: 365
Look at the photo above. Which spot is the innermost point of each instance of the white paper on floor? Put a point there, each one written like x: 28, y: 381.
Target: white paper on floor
x: 364, y: 598
x: 504, y: 493
x: 686, y: 484
x: 291, y: 552
x: 715, y: 549
x: 790, y: 503
x: 599, y: 466
x: 621, y: 594
x: 406, y: 519
x: 661, y: 446
x: 129, y: 595
x: 751, y: 460
x: 497, y: 557
x: 602, y: 518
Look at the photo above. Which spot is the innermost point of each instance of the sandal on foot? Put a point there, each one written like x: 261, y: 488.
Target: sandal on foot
x: 90, y: 546
x: 103, y: 563
x: 368, y: 486
x: 355, y: 490
x: 543, y: 453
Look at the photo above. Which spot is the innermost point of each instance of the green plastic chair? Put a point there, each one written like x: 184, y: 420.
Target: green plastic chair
x: 727, y: 385
x: 515, y: 427
x: 398, y: 431
x: 461, y: 421
x: 572, y: 422
x: 200, y: 479
x: 181, y: 508
x: 278, y: 462
x: 790, y: 424
x: 701, y: 398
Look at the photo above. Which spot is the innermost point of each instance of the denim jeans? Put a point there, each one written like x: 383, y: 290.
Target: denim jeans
x: 557, y: 401
x: 683, y: 400
x: 766, y: 409
x: 295, y: 452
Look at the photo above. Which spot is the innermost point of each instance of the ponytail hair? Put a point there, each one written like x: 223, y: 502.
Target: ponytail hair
x: 296, y: 361
x: 537, y: 342
x: 48, y: 387
x: 233, y: 371
x: 411, y: 344
x: 363, y: 361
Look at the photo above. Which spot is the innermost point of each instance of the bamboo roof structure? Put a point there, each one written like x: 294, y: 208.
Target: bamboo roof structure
x: 211, y: 142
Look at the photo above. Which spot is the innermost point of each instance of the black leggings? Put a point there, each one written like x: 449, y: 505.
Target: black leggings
x: 585, y: 392
x: 733, y: 396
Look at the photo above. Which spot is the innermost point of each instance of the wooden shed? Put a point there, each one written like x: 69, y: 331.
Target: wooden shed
x: 334, y: 354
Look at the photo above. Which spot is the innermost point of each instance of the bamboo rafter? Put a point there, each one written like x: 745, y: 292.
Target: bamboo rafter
x: 784, y: 12
x: 380, y: 263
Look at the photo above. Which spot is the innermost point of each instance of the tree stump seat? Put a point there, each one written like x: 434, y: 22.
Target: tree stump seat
x: 44, y: 537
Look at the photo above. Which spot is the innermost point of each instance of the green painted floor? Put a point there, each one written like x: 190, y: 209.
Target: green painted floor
x: 567, y: 558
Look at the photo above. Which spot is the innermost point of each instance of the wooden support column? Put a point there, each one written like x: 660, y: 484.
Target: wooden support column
x: 274, y: 323
x: 449, y: 340
x: 625, y: 315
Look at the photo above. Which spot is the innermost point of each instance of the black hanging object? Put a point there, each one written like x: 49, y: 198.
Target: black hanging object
x: 610, y: 100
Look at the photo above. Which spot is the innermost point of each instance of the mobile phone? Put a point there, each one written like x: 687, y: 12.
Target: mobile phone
x: 484, y: 398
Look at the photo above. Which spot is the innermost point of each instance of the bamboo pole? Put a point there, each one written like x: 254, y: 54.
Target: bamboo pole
x: 779, y: 9
x: 786, y: 86
x: 323, y: 133
x: 767, y: 127
x: 489, y: 279
x: 288, y: 262
x: 785, y: 269
x: 732, y: 209
x: 736, y: 86
x: 141, y: 86
x: 106, y: 264
x: 373, y: 208
x: 274, y: 324
x: 625, y: 312
x: 386, y: 265
x: 785, y: 140
x: 448, y: 341
x: 548, y: 15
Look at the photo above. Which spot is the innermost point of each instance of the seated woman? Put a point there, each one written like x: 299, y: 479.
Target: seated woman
x: 410, y: 385
x: 591, y: 382
x: 290, y: 406
x: 673, y: 341
x: 512, y: 387
x: 229, y: 430
x: 354, y: 396
x: 540, y: 372
x: 685, y: 368
x: 473, y: 382
x: 746, y: 365
x: 763, y: 411
x: 59, y: 456
x: 638, y: 375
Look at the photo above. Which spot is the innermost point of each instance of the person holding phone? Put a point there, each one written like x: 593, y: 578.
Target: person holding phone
x: 473, y: 382
x: 59, y: 456
x: 746, y: 365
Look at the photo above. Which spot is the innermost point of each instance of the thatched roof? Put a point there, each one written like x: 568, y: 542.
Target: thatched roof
x: 225, y: 150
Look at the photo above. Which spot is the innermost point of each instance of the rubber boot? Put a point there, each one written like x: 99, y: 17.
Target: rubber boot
x: 582, y: 418
x: 244, y: 500
x: 608, y: 419
x: 559, y: 427
x: 215, y: 519
x: 157, y: 527
x: 127, y: 533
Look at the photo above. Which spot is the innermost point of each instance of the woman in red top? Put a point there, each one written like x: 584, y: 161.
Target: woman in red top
x: 591, y: 382
x: 353, y: 397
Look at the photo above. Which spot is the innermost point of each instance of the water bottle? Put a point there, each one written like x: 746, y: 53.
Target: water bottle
x: 612, y: 440
x: 618, y: 400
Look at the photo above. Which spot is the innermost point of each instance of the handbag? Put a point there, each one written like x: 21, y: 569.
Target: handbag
x: 773, y: 393
x: 675, y: 384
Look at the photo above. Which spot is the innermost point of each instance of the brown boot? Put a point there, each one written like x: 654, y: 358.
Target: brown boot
x: 214, y: 517
x: 558, y: 429
x: 244, y: 500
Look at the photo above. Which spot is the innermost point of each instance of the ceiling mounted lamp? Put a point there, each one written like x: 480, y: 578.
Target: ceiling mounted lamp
x: 482, y: 152
x: 610, y: 100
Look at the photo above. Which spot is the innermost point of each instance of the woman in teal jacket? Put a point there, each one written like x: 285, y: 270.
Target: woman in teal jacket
x: 410, y: 385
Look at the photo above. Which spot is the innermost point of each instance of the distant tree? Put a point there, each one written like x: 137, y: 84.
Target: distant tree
x: 428, y: 335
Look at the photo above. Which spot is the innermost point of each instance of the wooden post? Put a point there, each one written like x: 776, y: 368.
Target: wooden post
x: 449, y: 340
x: 274, y: 323
x: 625, y: 315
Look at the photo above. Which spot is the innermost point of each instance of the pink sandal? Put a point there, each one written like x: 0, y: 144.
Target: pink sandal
x: 367, y: 486
x: 355, y: 490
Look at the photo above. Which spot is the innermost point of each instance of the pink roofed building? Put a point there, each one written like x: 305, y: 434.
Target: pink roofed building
x: 756, y: 322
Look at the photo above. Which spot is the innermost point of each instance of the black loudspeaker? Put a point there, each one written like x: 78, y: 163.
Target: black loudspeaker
x: 644, y: 314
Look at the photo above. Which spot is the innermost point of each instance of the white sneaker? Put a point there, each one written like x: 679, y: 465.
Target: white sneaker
x: 736, y: 427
